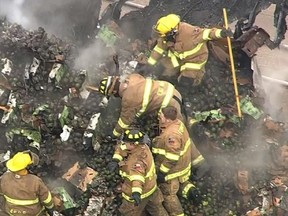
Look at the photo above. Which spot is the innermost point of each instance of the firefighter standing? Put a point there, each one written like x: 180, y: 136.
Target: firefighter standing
x: 185, y: 46
x: 173, y: 152
x: 137, y: 168
x: 24, y: 193
x: 140, y: 96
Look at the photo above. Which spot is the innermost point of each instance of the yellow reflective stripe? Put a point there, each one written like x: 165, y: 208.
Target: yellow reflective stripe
x: 178, y: 174
x: 143, y: 196
x: 116, y: 133
x: 149, y: 174
x: 180, y: 214
x: 152, y: 171
x: 137, y: 189
x: 168, y: 97
x: 158, y: 50
x: 164, y: 153
x: 118, y: 157
x: 185, y: 177
x: 21, y: 202
x: 195, y: 66
x: 198, y: 160
x: 122, y: 124
x: 172, y: 156
x: 50, y: 206
x: 186, y: 189
x: 123, y: 146
x: 151, y: 61
x: 191, y: 52
x: 192, y: 122
x: 173, y: 59
x: 137, y: 178
x: 49, y: 198
x: 218, y: 33
x: 206, y: 34
x: 164, y: 169
x: 146, y: 96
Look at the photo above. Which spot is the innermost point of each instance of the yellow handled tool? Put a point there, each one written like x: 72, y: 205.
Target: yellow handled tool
x: 232, y: 65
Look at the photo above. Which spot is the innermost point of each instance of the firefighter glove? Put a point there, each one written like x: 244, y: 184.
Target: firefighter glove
x: 226, y: 33
x: 110, y: 138
x: 113, y: 166
x: 194, y: 195
x: 136, y: 196
x: 160, y: 177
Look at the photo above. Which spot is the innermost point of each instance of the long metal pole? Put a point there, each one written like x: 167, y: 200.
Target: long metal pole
x: 232, y: 65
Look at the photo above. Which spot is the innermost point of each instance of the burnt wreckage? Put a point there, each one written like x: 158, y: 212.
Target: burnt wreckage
x: 45, y: 107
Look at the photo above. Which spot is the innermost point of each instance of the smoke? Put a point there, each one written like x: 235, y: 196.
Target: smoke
x: 12, y: 10
x: 65, y: 18
x: 273, y: 76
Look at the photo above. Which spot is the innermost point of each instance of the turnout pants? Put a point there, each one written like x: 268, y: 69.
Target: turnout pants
x: 171, y: 201
x: 153, y: 205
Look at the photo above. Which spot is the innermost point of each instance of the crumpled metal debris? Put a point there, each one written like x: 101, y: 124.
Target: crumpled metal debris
x: 95, y: 206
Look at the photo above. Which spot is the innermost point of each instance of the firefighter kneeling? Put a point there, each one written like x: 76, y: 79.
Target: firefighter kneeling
x: 173, y: 153
x: 24, y: 193
x: 136, y: 166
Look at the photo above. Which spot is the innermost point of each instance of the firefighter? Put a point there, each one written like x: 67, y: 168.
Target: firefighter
x: 25, y: 193
x: 135, y: 162
x: 185, y: 47
x: 140, y: 96
x: 173, y: 154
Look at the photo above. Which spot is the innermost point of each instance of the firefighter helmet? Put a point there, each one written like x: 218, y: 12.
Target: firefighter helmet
x: 166, y: 24
x: 20, y: 161
x: 107, y: 85
x: 134, y: 136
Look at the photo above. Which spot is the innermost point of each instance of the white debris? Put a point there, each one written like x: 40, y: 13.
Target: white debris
x: 66, y: 133
x: 12, y: 104
x: 7, y: 66
x: 34, y: 66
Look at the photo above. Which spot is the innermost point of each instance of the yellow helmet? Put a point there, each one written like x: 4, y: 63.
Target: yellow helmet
x: 134, y: 136
x: 166, y: 24
x: 19, y: 161
x: 107, y: 85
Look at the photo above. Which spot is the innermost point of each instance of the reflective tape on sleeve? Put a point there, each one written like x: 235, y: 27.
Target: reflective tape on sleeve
x: 218, y: 33
x: 194, y: 66
x: 49, y: 198
x: 158, y: 50
x: 122, y: 124
x: 137, y: 189
x: 151, y: 61
x: 198, y: 160
x: 206, y: 34
x: 118, y: 157
x: 137, y: 178
x: 164, y: 169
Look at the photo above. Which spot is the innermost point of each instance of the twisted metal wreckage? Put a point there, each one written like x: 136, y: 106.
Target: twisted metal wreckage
x: 46, y: 108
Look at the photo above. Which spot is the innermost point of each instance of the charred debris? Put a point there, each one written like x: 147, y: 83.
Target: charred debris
x: 45, y: 104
